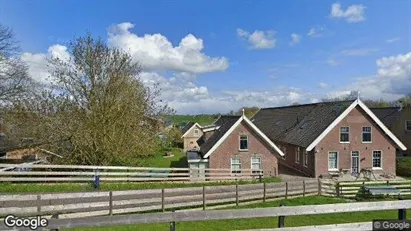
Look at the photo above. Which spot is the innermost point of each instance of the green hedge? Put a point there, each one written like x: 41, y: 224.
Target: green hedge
x: 404, y: 166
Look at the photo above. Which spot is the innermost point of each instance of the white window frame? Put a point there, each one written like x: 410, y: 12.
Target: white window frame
x: 305, y: 158
x: 239, y: 143
x: 328, y: 162
x: 231, y: 165
x: 297, y: 155
x: 362, y: 135
x: 407, y: 121
x: 345, y: 142
x: 372, y: 160
x: 260, y: 163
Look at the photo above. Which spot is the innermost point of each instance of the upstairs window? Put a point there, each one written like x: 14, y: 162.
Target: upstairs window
x: 344, y: 134
x: 235, y: 165
x: 408, y: 125
x: 243, y: 142
x: 196, y: 131
x: 366, y: 134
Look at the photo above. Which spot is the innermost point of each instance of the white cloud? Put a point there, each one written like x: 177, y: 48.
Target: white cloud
x: 332, y: 62
x: 359, y: 52
x: 156, y: 52
x: 295, y: 39
x: 353, y: 13
x: 316, y: 32
x: 37, y: 63
x: 258, y: 39
x: 392, y: 81
x: 392, y: 40
x: 323, y: 85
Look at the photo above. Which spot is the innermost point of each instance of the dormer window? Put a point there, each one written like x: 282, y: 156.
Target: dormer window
x: 408, y: 125
x: 243, y: 142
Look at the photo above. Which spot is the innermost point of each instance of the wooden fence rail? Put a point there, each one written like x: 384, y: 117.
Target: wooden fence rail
x: 86, y: 173
x: 117, y: 202
x: 351, y: 189
x: 183, y: 216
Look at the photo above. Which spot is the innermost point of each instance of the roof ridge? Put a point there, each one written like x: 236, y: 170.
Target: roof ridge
x: 309, y: 104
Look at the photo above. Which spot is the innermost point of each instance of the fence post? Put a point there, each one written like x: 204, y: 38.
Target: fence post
x: 264, y: 191
x: 260, y: 178
x: 96, y: 179
x: 337, y: 188
x: 388, y: 182
x: 281, y: 219
x: 303, y: 188
x: 204, y: 198
x: 402, y: 213
x: 173, y: 224
x: 163, y: 207
x: 39, y: 203
x: 286, y: 189
x: 319, y: 187
x: 236, y: 194
x: 55, y: 216
x: 110, y: 203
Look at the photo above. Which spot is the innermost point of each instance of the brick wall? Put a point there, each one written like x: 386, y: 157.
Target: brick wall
x: 291, y: 161
x: 221, y: 157
x: 356, y: 119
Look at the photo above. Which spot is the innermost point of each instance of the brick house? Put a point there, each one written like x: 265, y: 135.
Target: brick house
x: 398, y: 120
x: 234, y: 142
x: 323, y: 138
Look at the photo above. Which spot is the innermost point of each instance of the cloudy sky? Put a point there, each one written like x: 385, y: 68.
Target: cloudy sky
x: 216, y: 56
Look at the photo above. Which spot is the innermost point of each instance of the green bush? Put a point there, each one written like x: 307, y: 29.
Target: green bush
x: 404, y: 166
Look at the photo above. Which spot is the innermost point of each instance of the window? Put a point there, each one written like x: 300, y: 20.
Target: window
x: 297, y: 155
x: 344, y: 134
x: 243, y: 142
x: 366, y: 134
x: 332, y: 160
x: 256, y: 164
x: 376, y: 159
x: 408, y: 125
x: 305, y: 158
x: 236, y: 165
x: 196, y: 131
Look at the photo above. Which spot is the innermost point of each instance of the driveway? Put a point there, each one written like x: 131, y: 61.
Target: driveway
x: 288, y: 174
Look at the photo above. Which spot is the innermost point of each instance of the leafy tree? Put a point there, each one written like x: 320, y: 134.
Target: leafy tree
x: 14, y: 80
x: 97, y: 111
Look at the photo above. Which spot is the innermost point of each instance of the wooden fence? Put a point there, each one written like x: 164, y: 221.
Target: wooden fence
x: 184, y: 216
x: 351, y: 189
x: 86, y: 173
x: 117, y: 202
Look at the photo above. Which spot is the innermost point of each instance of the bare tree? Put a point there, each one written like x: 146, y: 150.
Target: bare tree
x: 14, y: 80
x: 97, y: 103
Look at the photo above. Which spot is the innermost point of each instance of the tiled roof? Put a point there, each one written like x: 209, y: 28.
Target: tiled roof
x: 187, y: 127
x: 299, y: 124
x: 387, y: 115
x: 225, y: 123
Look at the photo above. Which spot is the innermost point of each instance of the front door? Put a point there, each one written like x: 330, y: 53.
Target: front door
x: 355, y: 162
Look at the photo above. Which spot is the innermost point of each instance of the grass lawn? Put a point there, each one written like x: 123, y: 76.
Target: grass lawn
x: 157, y: 159
x: 200, y: 119
x: 271, y: 222
x: 84, y: 187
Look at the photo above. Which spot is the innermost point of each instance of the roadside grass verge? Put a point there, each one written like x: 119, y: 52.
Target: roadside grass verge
x: 109, y: 186
x: 270, y: 222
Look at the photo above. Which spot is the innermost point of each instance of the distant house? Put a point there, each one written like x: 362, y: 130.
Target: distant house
x: 398, y: 120
x: 234, y: 142
x: 191, y: 133
x: 324, y: 138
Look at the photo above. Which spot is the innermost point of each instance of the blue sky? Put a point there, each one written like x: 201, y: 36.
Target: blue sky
x: 235, y: 53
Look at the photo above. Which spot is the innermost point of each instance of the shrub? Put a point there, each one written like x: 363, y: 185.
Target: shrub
x: 403, y: 166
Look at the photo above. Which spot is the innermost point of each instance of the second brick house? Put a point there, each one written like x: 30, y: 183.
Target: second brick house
x: 324, y: 138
